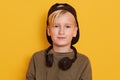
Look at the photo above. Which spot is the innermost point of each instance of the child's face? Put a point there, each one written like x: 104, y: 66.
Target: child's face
x: 63, y: 30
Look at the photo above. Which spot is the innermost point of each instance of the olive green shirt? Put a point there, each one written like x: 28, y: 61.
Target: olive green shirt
x: 37, y: 70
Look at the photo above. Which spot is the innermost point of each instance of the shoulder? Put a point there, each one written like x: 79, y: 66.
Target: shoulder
x: 39, y: 54
x: 82, y: 58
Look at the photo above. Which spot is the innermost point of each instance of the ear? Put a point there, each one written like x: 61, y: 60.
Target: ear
x: 48, y: 30
x: 75, y: 31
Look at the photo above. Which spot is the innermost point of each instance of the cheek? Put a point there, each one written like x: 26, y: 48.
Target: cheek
x: 53, y: 32
x: 75, y: 32
x: 70, y: 32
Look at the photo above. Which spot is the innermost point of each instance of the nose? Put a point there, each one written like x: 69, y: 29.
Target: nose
x: 61, y: 31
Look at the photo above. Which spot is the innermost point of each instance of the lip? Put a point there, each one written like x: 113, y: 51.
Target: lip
x: 61, y: 37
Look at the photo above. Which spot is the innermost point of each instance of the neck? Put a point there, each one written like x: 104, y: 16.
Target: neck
x: 62, y: 48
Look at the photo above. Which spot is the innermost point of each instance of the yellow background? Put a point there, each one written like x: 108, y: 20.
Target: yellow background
x: 22, y: 32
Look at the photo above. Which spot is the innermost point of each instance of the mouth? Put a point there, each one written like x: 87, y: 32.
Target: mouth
x: 61, y: 37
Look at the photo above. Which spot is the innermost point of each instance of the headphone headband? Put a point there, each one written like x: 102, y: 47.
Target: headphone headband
x: 65, y: 63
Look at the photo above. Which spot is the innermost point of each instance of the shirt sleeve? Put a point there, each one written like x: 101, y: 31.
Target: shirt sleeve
x: 87, y: 72
x: 31, y: 70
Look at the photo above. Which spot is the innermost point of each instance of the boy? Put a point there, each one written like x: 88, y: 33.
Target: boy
x: 60, y: 61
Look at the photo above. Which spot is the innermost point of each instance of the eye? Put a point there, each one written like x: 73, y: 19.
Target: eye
x: 68, y: 26
x: 56, y: 26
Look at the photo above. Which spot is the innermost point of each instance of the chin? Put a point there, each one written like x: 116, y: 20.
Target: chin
x: 62, y: 45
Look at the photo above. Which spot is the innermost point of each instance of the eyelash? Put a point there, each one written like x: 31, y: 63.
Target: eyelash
x: 68, y: 26
x: 56, y: 26
x: 65, y: 26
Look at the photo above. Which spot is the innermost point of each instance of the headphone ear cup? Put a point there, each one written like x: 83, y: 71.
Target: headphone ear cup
x: 65, y: 63
x: 49, y: 60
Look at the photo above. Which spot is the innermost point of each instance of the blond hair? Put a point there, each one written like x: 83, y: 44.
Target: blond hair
x: 55, y: 15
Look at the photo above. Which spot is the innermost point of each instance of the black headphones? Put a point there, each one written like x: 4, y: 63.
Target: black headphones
x: 65, y: 63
